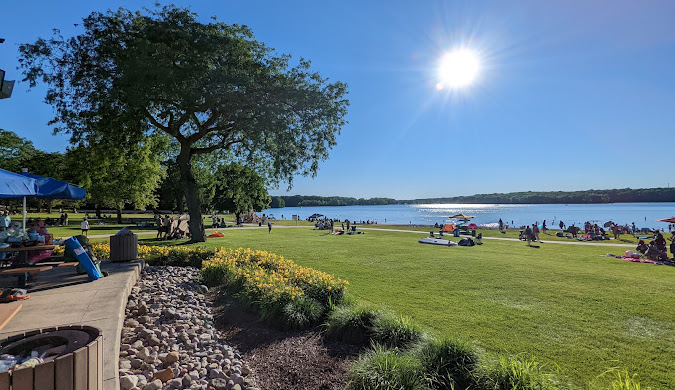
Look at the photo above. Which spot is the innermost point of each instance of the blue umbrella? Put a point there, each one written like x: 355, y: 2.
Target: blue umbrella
x: 17, y: 186
x: 49, y: 188
x: 13, y: 185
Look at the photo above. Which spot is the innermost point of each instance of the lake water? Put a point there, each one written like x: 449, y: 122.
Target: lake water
x: 643, y: 214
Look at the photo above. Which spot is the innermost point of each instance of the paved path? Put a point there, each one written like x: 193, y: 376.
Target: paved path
x: 360, y: 227
x: 623, y: 245
x: 60, y: 297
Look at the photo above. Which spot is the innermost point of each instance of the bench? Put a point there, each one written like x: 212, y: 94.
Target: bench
x: 22, y: 273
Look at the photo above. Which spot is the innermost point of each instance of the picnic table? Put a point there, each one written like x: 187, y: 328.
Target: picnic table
x: 24, y: 252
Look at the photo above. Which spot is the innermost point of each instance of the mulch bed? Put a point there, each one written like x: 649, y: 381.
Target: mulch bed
x: 283, y: 359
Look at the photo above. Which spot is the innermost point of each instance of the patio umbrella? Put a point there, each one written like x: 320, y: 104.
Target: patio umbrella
x: 669, y: 220
x: 13, y: 185
x: 49, y: 188
x: 608, y: 224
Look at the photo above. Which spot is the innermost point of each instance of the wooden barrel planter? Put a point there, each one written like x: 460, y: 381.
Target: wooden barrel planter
x: 73, y: 359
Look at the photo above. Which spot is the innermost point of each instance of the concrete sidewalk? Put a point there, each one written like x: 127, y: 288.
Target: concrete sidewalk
x: 59, y: 297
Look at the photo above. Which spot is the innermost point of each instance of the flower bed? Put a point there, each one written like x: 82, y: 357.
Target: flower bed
x: 277, y: 287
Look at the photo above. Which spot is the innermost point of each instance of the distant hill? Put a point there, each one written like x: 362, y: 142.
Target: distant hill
x: 626, y: 195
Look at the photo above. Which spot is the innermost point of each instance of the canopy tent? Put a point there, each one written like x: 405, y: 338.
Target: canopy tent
x: 13, y: 185
x: 668, y: 220
x: 49, y: 188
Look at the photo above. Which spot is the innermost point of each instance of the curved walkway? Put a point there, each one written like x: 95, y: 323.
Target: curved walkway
x: 360, y: 227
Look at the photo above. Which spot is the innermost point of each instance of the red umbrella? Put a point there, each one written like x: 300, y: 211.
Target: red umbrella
x: 669, y: 220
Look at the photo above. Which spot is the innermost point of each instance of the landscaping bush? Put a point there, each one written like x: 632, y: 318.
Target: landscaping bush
x: 447, y: 363
x: 282, y: 291
x: 352, y: 324
x: 386, y: 369
x: 361, y: 325
x: 619, y: 379
x: 515, y: 373
x: 395, y: 331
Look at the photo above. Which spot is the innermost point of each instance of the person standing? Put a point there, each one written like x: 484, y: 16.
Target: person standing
x: 528, y: 235
x: 535, y: 232
x: 85, y: 227
x: 269, y: 227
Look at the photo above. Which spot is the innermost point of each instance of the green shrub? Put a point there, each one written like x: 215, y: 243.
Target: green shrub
x: 511, y: 373
x: 301, y: 312
x: 385, y: 369
x: 619, y: 379
x: 352, y: 324
x: 395, y: 331
x: 447, y: 363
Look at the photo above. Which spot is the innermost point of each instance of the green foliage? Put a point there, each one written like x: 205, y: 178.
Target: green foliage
x: 120, y: 173
x: 278, y: 202
x: 352, y: 324
x: 363, y: 324
x: 511, y: 373
x: 301, y: 313
x: 282, y: 292
x: 447, y: 363
x: 314, y: 200
x: 617, y: 379
x: 385, y: 369
x: 554, y: 300
x: 395, y: 331
x: 210, y: 86
x: 15, y: 151
x: 239, y: 189
x: 532, y: 197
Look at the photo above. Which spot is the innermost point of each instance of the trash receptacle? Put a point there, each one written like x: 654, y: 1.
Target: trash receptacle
x: 124, y: 247
x: 473, y: 232
x: 456, y: 232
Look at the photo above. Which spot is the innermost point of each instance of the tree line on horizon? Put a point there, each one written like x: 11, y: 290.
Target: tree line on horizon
x: 624, y: 195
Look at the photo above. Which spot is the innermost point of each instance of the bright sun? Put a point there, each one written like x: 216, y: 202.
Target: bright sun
x: 458, y: 69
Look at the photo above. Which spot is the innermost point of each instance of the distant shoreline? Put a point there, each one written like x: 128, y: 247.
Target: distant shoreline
x: 627, y: 195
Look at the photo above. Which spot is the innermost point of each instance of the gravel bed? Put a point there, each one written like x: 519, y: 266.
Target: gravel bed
x: 169, y: 340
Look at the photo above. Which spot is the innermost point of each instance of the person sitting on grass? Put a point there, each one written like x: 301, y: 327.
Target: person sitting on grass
x: 653, y: 252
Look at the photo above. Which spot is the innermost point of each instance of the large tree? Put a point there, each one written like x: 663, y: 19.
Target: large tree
x: 239, y: 190
x: 211, y: 86
x: 116, y: 175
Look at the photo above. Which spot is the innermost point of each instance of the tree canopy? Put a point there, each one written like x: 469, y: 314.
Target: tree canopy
x: 239, y: 190
x: 210, y: 86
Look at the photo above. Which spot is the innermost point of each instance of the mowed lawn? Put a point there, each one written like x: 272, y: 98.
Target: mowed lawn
x: 566, y: 305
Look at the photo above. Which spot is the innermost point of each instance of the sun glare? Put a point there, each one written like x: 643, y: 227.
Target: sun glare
x: 458, y: 69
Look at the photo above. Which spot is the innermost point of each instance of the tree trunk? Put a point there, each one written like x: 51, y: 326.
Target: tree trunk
x: 119, y: 215
x: 98, y: 212
x: 189, y: 184
x: 49, y: 206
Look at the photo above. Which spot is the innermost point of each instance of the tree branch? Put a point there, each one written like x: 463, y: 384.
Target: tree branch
x: 220, y: 145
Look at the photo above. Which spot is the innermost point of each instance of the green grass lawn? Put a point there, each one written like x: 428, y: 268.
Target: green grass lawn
x: 565, y: 305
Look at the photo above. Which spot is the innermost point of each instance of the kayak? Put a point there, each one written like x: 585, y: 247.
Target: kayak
x: 436, y: 241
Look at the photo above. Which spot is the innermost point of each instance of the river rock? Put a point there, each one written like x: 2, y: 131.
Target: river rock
x: 128, y: 382
x: 164, y: 375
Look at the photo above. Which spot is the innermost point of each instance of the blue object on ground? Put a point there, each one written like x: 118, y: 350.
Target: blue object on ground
x: 84, y: 259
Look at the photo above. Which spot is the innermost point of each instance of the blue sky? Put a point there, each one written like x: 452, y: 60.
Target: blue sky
x: 572, y: 95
